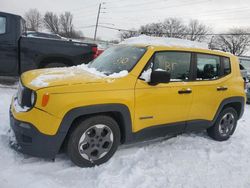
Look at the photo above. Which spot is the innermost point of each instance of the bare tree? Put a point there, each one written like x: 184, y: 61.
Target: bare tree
x: 51, y: 22
x: 77, y: 34
x: 197, y: 31
x: 153, y: 29
x: 128, y: 34
x: 171, y: 27
x: 66, y: 21
x: 236, y: 41
x: 33, y: 20
x: 174, y: 27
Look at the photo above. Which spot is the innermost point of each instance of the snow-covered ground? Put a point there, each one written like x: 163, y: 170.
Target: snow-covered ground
x: 189, y: 160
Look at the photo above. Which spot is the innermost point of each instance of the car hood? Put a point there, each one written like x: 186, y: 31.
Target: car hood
x: 44, y: 78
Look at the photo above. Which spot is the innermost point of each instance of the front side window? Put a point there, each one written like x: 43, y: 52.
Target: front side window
x: 176, y: 63
x: 117, y: 59
x: 208, y: 67
x: 2, y: 25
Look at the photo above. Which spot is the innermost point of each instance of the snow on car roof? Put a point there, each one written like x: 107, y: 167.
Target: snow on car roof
x: 162, y: 41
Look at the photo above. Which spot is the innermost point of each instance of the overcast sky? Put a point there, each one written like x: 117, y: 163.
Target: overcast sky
x: 126, y: 14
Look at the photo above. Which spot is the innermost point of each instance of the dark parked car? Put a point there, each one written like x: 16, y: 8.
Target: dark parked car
x: 20, y: 53
x: 44, y: 35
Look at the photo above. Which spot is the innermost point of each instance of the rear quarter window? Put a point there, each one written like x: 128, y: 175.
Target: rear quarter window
x: 226, y: 66
x: 2, y: 25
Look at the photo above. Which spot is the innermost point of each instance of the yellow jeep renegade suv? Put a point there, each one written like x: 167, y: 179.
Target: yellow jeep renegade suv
x: 129, y: 93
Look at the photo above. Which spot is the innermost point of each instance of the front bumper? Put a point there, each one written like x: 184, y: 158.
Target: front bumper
x: 32, y: 142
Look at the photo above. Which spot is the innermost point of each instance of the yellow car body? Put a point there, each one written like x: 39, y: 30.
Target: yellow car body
x: 139, y: 105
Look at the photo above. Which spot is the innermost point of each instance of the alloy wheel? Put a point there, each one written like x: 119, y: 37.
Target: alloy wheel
x: 95, y: 142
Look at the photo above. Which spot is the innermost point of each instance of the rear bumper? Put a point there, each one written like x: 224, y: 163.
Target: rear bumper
x: 30, y: 141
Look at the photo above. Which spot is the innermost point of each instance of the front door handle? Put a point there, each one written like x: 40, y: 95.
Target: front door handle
x: 185, y: 91
x: 222, y: 88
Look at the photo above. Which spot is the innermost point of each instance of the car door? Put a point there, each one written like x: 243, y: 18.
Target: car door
x: 8, y: 46
x: 209, y: 87
x: 165, y: 103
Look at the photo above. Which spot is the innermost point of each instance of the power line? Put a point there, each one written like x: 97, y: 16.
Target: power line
x: 88, y: 7
x: 213, y: 12
x: 134, y: 5
x: 160, y: 8
x: 88, y: 26
x: 206, y: 34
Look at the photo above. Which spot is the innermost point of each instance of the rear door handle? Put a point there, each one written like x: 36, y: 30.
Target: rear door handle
x: 222, y: 88
x: 185, y: 91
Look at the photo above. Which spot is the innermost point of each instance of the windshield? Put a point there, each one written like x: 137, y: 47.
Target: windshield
x: 117, y: 59
x: 245, y: 63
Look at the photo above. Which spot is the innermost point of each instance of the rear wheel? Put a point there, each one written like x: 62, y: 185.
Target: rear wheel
x: 93, y: 141
x: 224, y: 126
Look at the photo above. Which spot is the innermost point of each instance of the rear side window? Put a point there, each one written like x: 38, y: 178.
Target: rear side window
x: 177, y: 63
x: 208, y: 67
x: 2, y: 25
x: 226, y: 66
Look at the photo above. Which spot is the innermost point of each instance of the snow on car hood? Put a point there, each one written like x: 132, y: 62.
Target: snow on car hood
x: 42, y: 78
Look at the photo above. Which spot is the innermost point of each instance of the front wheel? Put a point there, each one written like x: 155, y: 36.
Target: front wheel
x: 93, y: 141
x: 224, y: 126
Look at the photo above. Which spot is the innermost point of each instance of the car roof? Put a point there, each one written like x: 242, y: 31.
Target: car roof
x: 168, y: 43
x: 9, y: 14
x: 185, y: 49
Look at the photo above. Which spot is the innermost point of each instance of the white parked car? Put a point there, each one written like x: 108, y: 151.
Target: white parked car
x: 245, y: 66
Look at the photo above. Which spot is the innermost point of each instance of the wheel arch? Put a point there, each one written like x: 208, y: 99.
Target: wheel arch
x: 238, y: 103
x: 46, y: 60
x: 119, y: 112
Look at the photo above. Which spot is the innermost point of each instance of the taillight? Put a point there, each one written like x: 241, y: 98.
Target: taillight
x: 94, y: 50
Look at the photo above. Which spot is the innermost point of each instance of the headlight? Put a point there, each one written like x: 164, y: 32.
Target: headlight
x: 25, y: 97
x: 32, y: 98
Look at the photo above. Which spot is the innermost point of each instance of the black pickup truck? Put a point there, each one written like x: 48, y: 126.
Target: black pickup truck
x: 20, y: 53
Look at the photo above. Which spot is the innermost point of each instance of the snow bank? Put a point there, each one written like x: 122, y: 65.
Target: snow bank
x: 161, y: 41
x: 63, y: 73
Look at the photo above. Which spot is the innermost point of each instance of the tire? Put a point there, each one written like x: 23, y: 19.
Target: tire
x: 93, y: 141
x: 55, y: 64
x: 224, y: 126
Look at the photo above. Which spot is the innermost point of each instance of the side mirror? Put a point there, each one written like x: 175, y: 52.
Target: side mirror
x: 158, y: 77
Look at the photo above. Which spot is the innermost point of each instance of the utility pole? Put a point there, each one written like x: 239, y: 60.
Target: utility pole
x: 97, y: 20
